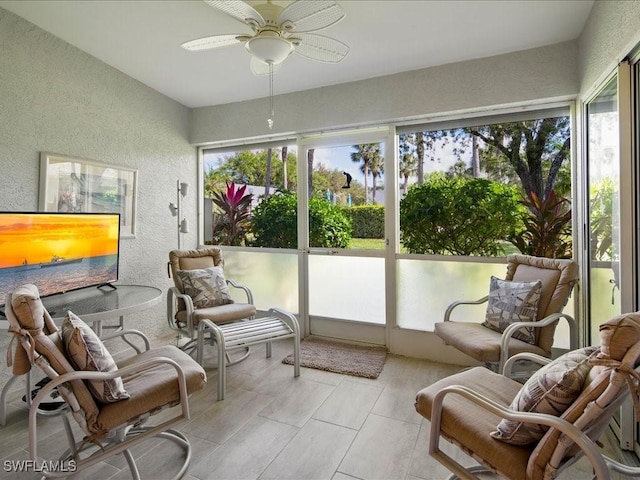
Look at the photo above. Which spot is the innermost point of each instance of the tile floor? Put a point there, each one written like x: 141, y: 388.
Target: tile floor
x: 273, y: 426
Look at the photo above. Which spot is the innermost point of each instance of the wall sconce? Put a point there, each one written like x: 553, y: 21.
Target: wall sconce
x: 175, y: 208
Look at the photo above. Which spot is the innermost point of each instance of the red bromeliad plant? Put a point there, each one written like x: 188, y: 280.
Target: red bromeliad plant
x: 230, y: 226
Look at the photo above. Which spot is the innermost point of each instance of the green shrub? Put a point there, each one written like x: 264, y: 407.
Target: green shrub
x: 274, y: 223
x: 367, y: 220
x: 459, y: 216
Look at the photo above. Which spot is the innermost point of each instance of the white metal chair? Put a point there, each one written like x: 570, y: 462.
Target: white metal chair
x: 467, y: 408
x: 493, y: 348
x: 152, y: 380
x: 183, y: 312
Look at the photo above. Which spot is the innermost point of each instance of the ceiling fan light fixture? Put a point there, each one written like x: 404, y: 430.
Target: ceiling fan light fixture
x: 269, y: 49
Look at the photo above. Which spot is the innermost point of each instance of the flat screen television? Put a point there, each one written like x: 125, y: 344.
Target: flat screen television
x: 58, y: 252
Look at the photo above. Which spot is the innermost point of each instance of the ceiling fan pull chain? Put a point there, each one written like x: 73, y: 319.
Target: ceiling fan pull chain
x: 270, y: 119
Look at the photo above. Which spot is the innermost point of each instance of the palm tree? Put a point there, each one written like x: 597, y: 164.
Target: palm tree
x: 407, y: 167
x: 366, y: 153
x: 376, y: 168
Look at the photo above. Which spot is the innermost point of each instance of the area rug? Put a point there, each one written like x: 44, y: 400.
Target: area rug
x: 355, y: 360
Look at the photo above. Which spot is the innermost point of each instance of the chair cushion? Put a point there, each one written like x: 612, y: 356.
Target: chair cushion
x: 550, y: 390
x: 207, y: 287
x: 479, y: 342
x: 468, y: 425
x: 511, y: 302
x: 220, y: 314
x: 154, y: 388
x: 558, y: 277
x: 87, y: 352
x: 618, y: 334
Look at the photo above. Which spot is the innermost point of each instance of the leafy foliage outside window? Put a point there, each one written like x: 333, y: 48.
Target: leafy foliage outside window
x: 274, y: 223
x: 529, y: 156
x: 601, y: 218
x: 547, y: 231
x: 459, y: 216
x: 231, y: 223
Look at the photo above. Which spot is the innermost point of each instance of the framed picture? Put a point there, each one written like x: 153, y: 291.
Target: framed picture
x: 70, y: 184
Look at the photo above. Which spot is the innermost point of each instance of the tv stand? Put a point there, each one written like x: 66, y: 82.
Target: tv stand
x: 107, y: 285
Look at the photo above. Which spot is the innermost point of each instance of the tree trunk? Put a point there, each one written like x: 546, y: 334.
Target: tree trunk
x: 285, y: 186
x: 310, y: 169
x: 373, y: 189
x: 267, y: 175
x: 420, y: 154
x: 366, y: 183
x: 475, y: 161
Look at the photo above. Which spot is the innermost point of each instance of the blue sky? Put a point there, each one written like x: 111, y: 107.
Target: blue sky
x: 339, y: 158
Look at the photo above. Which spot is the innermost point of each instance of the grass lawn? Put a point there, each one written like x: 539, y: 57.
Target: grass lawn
x: 367, y: 244
x: 378, y: 244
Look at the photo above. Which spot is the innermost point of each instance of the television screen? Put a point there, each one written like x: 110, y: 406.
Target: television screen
x: 58, y: 252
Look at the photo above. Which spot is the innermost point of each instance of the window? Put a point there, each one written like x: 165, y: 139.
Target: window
x: 486, y: 189
x: 237, y: 182
x: 463, y: 203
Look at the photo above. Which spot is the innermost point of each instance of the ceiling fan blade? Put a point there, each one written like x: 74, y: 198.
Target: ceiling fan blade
x: 319, y: 47
x: 258, y: 67
x: 310, y: 15
x: 239, y: 10
x: 215, y: 41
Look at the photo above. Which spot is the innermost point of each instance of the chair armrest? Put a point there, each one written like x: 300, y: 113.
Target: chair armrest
x: 543, y: 322
x: 87, y: 375
x: 447, y: 312
x: 173, y: 295
x: 246, y: 290
x: 588, y: 447
x: 531, y: 357
x: 123, y: 333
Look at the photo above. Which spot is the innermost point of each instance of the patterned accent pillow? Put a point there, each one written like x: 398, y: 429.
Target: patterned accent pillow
x: 551, y: 390
x: 206, y: 287
x: 87, y: 352
x: 511, y: 302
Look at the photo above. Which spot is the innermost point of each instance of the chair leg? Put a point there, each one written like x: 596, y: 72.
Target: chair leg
x: 100, y: 455
x: 3, y: 399
x: 135, y: 474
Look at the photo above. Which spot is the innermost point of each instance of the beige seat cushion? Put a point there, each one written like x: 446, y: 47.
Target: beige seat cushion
x: 152, y: 389
x: 471, y: 425
x: 31, y: 315
x: 558, y: 277
x: 220, y: 314
x: 479, y: 342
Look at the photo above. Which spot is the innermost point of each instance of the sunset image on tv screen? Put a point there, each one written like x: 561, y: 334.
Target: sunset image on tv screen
x: 57, y: 252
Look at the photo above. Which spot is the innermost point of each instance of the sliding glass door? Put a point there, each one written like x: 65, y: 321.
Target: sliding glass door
x: 612, y: 189
x: 603, y: 206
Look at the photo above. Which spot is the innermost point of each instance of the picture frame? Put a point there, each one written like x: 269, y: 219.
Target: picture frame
x: 69, y: 184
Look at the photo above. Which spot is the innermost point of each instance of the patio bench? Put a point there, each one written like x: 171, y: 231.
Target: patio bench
x: 278, y: 325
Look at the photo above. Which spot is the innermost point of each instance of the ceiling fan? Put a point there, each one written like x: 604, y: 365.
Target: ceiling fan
x: 278, y: 32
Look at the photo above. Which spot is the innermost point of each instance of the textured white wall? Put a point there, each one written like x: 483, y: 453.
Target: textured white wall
x: 527, y: 76
x: 613, y: 28
x: 56, y: 98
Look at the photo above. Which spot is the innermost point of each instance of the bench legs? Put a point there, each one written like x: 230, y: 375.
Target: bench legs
x: 286, y: 326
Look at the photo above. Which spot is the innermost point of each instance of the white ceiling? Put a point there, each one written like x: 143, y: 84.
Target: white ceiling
x: 143, y: 38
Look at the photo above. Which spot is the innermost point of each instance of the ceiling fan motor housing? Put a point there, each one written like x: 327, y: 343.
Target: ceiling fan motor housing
x: 269, y: 47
